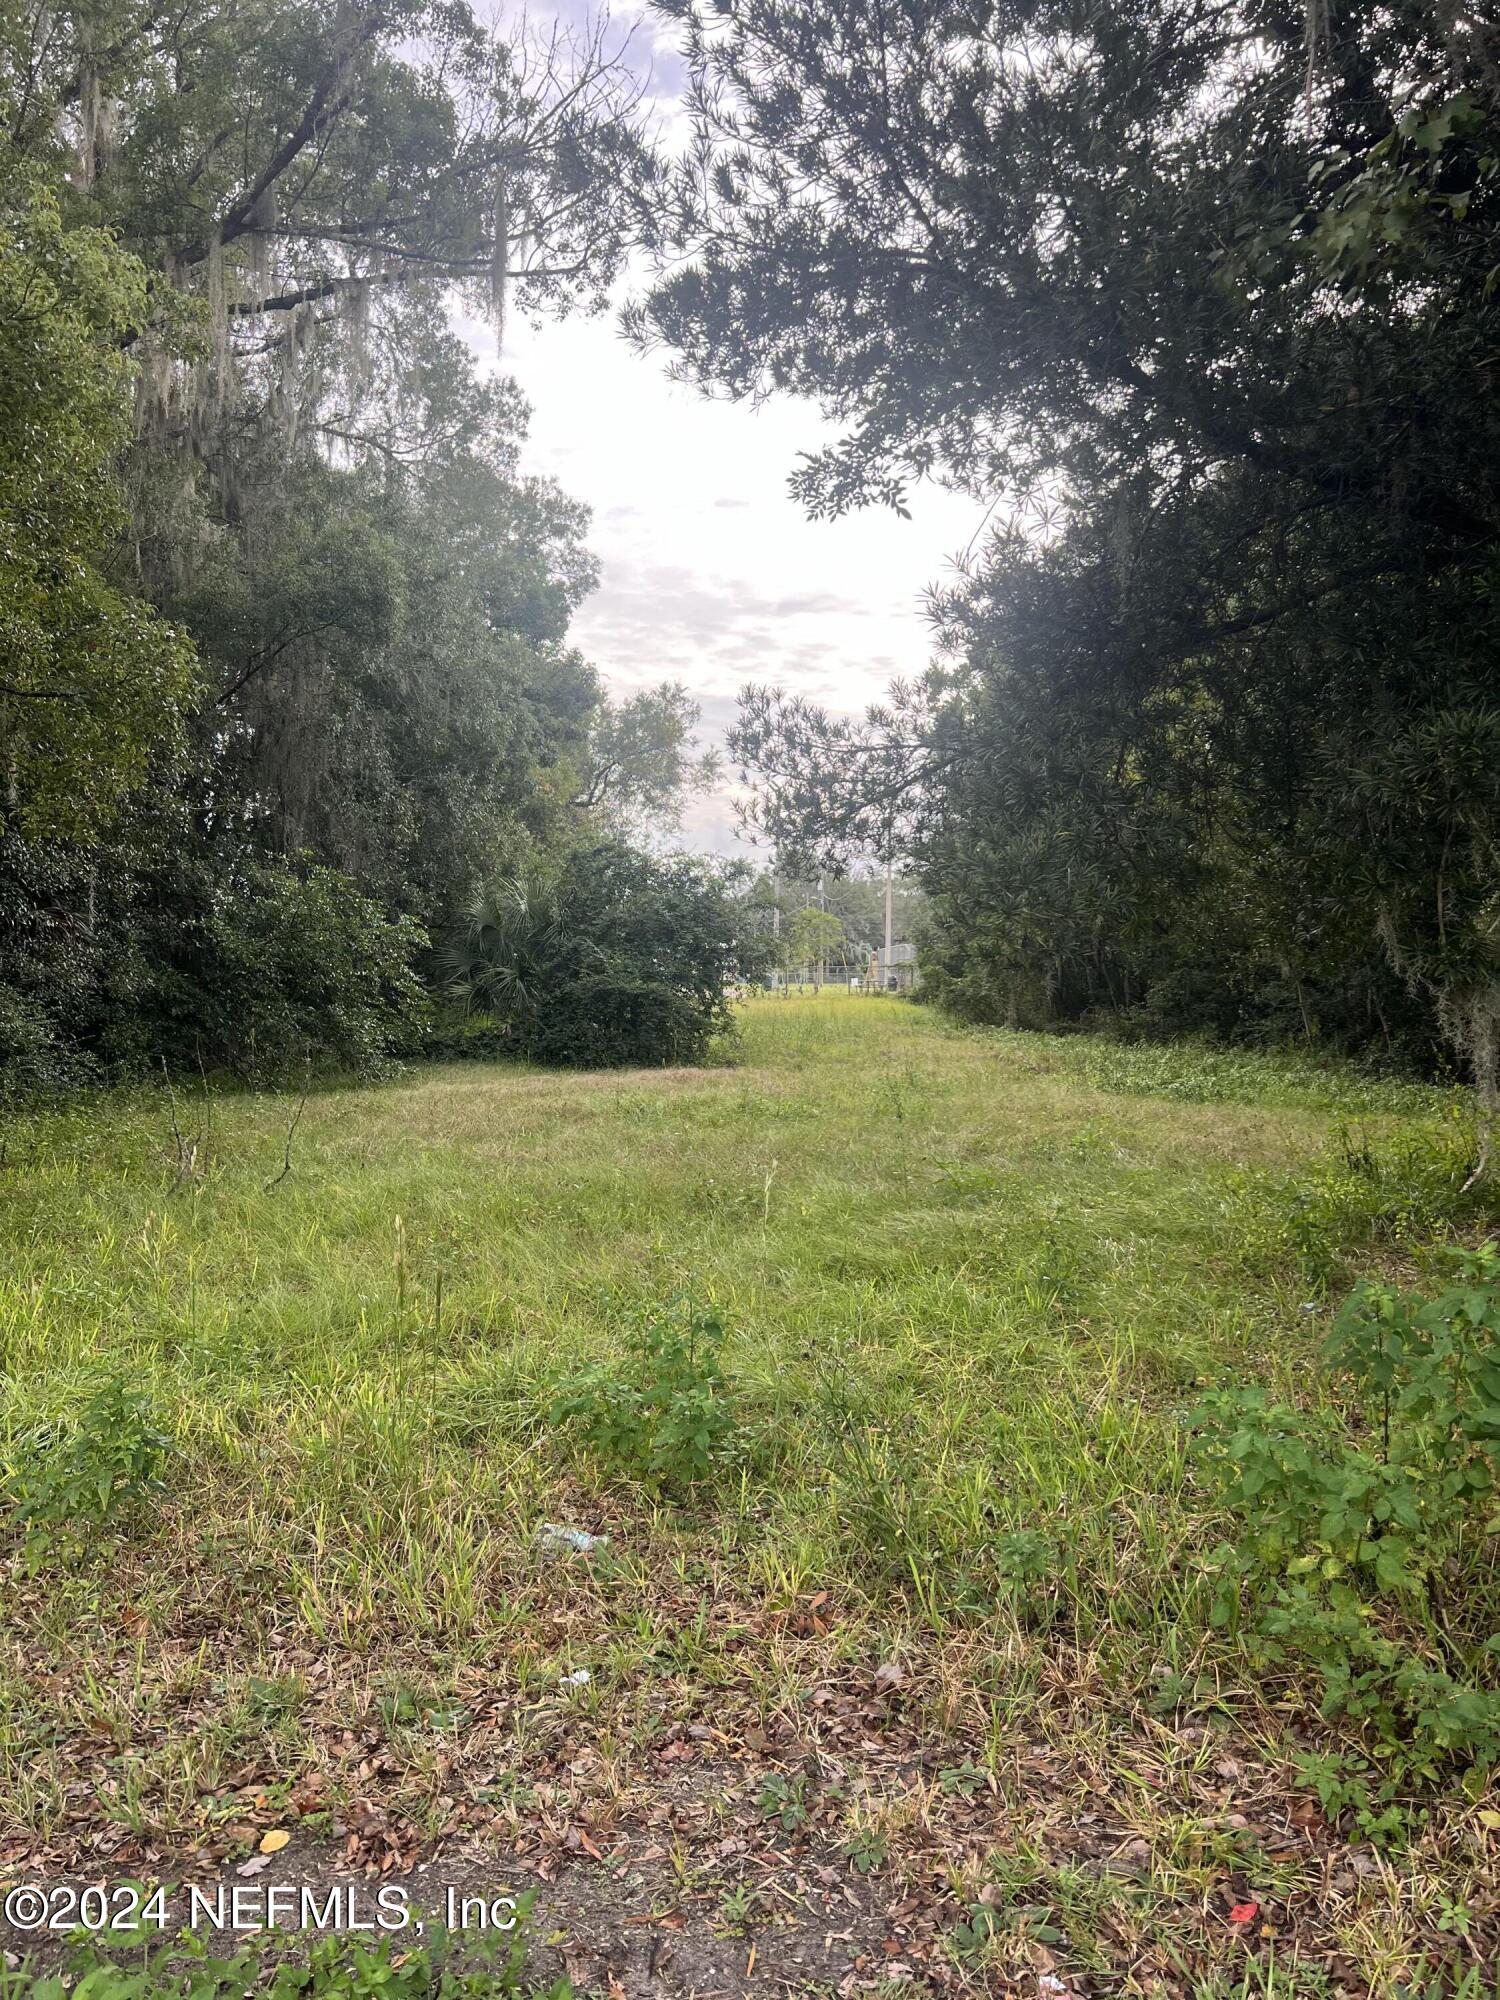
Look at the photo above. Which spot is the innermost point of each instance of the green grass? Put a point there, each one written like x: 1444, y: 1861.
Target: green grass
x: 324, y: 1968
x: 970, y: 1284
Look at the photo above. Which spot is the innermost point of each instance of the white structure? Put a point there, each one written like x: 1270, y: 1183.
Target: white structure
x: 893, y: 969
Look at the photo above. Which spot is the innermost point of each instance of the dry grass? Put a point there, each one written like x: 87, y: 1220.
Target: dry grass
x: 971, y: 1284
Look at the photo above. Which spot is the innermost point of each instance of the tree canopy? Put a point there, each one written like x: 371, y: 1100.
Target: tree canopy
x: 1204, y: 307
x: 1200, y: 299
x: 288, y: 670
x: 92, y: 677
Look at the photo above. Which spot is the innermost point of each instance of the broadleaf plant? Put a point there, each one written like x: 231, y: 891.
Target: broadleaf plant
x: 1363, y: 1542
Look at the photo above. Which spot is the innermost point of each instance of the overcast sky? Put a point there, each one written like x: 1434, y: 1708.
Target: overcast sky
x: 711, y: 575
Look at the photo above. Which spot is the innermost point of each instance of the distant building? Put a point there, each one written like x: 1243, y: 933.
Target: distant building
x: 896, y: 971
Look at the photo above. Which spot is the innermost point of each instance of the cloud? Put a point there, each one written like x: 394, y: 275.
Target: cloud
x: 714, y: 588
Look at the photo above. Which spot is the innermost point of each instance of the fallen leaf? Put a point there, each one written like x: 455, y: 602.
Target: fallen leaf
x: 272, y: 1843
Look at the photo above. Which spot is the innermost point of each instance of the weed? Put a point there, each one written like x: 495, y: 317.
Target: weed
x: 785, y: 1799
x: 971, y: 1937
x: 409, y: 1708
x: 334, y: 1968
x: 965, y: 1779
x: 1005, y: 1501
x: 884, y: 1499
x: 76, y: 1479
x: 736, y: 1908
x: 669, y: 1420
x: 1364, y: 1542
x: 866, y: 1849
x: 1403, y: 1190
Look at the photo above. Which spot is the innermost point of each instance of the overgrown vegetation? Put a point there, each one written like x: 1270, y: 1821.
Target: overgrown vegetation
x: 285, y: 628
x: 71, y: 1483
x: 1211, y: 742
x: 667, y: 1416
x: 609, y: 958
x: 327, y: 1968
x: 1367, y: 1539
x: 874, y: 1360
x: 934, y: 1438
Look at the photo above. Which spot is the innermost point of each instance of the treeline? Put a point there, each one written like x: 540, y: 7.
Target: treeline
x: 285, y: 681
x: 1203, y: 303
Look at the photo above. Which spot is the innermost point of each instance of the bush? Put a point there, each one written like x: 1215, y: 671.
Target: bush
x: 669, y: 1418
x: 606, y: 1021
x: 615, y: 958
x: 48, y: 970
x: 72, y: 1482
x: 469, y: 1038
x: 32, y: 1061
x: 1365, y: 1550
x: 194, y: 958
x: 286, y: 969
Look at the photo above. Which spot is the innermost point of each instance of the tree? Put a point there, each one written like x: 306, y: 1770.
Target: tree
x: 514, y: 947
x: 816, y: 935
x: 283, y: 971
x: 90, y: 677
x: 613, y: 958
x: 235, y: 233
x: 1207, y: 319
x: 284, y: 155
x: 392, y: 684
x: 642, y: 765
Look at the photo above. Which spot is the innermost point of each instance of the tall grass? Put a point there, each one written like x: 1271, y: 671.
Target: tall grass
x: 970, y: 1283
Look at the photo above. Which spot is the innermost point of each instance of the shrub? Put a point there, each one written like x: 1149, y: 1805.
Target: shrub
x: 469, y: 1038
x: 285, y: 969
x: 669, y: 1417
x: 615, y: 958
x: 607, y: 1020
x: 47, y: 969
x: 74, y: 1481
x: 1365, y: 1542
x: 194, y: 956
x: 31, y: 1059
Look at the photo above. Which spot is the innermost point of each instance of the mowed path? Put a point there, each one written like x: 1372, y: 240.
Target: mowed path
x: 917, y: 1687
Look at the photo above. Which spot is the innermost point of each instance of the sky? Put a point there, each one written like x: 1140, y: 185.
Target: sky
x: 711, y: 573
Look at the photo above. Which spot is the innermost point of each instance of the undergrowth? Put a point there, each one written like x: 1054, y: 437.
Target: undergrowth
x: 328, y: 1967
x: 875, y: 1350
x: 1368, y: 1534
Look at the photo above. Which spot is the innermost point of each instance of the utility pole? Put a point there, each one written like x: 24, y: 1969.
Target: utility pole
x: 776, y: 972
x: 888, y: 906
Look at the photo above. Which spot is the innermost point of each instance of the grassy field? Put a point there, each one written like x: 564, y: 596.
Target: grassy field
x: 937, y: 1623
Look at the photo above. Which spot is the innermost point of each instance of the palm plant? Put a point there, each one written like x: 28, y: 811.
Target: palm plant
x: 511, y: 946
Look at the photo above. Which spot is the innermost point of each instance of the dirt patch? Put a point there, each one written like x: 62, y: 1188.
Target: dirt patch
x: 620, y: 1923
